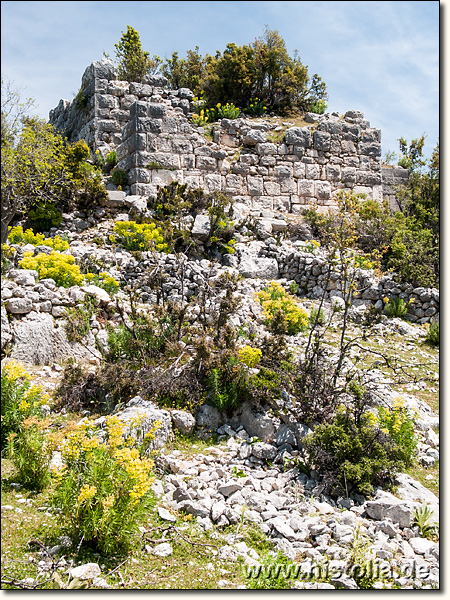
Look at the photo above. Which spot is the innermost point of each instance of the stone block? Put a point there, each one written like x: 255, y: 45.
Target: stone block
x: 306, y: 187
x: 140, y: 89
x: 323, y: 190
x: 333, y: 172
x: 206, y: 163
x: 255, y: 186
x: 271, y: 188
x: 163, y: 159
x: 107, y: 101
x: 156, y: 110
x: 298, y: 136
x: 370, y: 149
x: 266, y: 148
x: 312, y: 171
x: 108, y: 126
x: 213, y: 183
x: 139, y: 109
x: 322, y: 141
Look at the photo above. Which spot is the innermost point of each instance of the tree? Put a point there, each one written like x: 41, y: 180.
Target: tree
x: 38, y: 166
x: 264, y: 70
x: 231, y: 76
x: 134, y: 63
x: 13, y: 110
x: 33, y: 169
x: 187, y: 72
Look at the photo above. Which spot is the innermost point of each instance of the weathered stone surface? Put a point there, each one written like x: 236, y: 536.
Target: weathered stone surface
x: 162, y: 550
x: 19, y: 306
x: 6, y: 335
x: 300, y: 136
x: 258, y: 424
x: 40, y: 340
x: 183, y: 421
x: 387, y: 506
x: 201, y: 228
x: 263, y: 268
x: 149, y: 414
x: 264, y: 451
x: 87, y: 571
x: 209, y: 418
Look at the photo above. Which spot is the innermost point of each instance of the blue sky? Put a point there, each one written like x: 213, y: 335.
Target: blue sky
x: 380, y: 57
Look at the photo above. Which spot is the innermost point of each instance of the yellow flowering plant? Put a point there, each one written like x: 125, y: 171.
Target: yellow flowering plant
x: 20, y: 399
x: 105, y: 489
x: 140, y: 236
x: 18, y: 236
x: 282, y: 314
x: 57, y: 266
x: 249, y: 356
x: 398, y: 422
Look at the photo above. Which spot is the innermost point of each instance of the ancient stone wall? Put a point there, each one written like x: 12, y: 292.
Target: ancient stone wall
x: 265, y: 167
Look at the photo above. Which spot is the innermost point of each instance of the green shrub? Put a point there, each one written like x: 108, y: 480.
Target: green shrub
x: 31, y: 453
x: 353, y: 453
x: 111, y: 159
x: 144, y: 340
x: 57, y: 266
x: 104, y: 491
x: 78, y: 319
x: 318, y: 107
x: 140, y: 236
x: 81, y: 100
x: 19, y: 399
x: 7, y: 257
x: 119, y: 177
x: 432, y: 337
x: 282, y: 313
x: 103, y: 280
x: 399, y: 423
x: 255, y: 107
x: 316, y: 316
x: 395, y: 307
x: 424, y: 520
x: 227, y: 385
x: 44, y: 215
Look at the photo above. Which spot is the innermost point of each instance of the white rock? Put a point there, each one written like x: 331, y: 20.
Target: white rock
x: 421, y: 545
x: 87, y: 571
x: 166, y: 515
x: 163, y: 550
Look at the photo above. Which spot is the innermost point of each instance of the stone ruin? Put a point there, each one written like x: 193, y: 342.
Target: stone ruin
x: 262, y: 166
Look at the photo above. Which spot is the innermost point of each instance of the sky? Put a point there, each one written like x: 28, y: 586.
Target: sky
x: 379, y: 57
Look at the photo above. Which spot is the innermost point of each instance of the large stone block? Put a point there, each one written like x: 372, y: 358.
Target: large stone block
x: 370, y: 148
x: 255, y: 186
x: 107, y: 101
x: 298, y: 136
x: 306, y: 187
x: 322, y: 141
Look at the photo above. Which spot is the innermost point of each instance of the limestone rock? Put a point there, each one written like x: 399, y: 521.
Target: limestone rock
x: 6, y: 335
x: 87, y: 571
x: 258, y: 267
x: 183, y: 421
x: 40, y: 340
x: 150, y: 414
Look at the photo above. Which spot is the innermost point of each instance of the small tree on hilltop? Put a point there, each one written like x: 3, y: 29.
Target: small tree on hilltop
x: 134, y: 63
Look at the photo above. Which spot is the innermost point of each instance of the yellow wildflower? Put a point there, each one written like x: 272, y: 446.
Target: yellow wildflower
x: 108, y: 502
x: 87, y: 492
